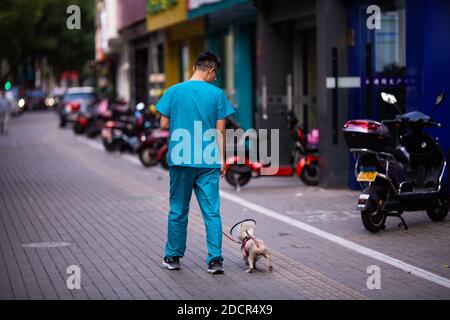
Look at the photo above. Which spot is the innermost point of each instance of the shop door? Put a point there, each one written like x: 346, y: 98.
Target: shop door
x: 304, y: 80
x: 140, y: 74
x: 385, y: 61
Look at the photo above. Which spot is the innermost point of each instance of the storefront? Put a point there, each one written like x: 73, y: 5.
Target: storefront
x: 231, y: 34
x: 292, y: 64
x: 407, y: 57
x: 325, y: 61
x: 183, y: 39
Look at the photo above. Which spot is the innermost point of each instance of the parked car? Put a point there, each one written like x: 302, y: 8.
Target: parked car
x: 76, y: 99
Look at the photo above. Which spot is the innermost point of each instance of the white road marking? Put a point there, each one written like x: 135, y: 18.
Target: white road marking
x: 91, y: 143
x: 340, y: 241
x: 132, y: 159
x: 421, y: 273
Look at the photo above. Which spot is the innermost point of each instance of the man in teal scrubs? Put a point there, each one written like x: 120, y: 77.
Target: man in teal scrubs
x: 195, y: 111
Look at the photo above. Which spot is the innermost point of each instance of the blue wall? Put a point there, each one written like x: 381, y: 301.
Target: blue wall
x: 243, y: 69
x: 427, y: 60
x: 428, y: 54
x: 243, y: 74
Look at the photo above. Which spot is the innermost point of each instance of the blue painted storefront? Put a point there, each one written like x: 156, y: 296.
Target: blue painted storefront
x: 239, y: 16
x: 427, y: 65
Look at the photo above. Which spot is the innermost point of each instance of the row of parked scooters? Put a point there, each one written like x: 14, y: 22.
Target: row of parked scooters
x: 136, y: 130
x: 125, y: 129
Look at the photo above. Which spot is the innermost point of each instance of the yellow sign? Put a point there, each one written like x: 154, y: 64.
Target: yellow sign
x: 164, y: 13
x: 156, y: 6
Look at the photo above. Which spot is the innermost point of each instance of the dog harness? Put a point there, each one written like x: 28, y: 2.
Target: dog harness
x: 244, y: 246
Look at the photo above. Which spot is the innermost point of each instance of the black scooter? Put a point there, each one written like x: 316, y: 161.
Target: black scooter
x: 398, y: 172
x: 126, y: 133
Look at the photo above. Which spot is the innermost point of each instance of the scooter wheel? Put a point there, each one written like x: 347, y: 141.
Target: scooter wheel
x: 440, y: 207
x: 146, y: 157
x: 310, y: 175
x: 110, y: 146
x: 165, y: 161
x: 78, y: 129
x: 92, y: 133
x: 373, y: 218
x: 235, y: 176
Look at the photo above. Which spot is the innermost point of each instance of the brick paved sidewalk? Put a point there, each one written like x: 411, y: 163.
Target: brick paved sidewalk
x: 113, y: 215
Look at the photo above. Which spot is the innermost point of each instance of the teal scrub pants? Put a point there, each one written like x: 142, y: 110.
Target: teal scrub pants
x: 205, y: 183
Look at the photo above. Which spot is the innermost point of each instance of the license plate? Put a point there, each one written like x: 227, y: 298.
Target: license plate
x: 367, y: 176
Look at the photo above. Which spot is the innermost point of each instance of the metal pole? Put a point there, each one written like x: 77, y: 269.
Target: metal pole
x: 264, y: 98
x: 289, y: 92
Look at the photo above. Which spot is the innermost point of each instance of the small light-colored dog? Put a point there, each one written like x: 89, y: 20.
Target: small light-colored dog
x: 253, y: 249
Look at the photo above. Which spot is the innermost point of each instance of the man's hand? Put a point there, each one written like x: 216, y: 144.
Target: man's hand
x: 223, y: 169
x: 164, y: 122
x: 220, y: 127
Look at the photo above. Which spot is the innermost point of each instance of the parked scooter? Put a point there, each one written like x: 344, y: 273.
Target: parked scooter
x: 125, y: 133
x: 91, y: 123
x: 304, y: 161
x: 406, y: 177
x: 153, y: 148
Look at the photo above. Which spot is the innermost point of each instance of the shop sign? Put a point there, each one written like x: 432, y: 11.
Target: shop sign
x: 157, y: 6
x: 386, y: 82
x: 194, y: 4
x: 157, y: 78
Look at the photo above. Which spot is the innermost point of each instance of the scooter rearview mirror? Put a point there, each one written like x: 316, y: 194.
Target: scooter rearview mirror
x: 440, y: 98
x: 388, y: 98
x: 437, y: 103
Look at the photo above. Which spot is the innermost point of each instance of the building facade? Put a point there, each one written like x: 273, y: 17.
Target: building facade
x: 107, y: 46
x: 322, y: 59
x: 230, y: 32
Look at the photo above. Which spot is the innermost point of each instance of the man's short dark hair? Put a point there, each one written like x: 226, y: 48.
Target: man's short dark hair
x: 208, y: 59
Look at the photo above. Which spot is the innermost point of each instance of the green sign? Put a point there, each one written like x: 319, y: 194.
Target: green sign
x: 157, y: 6
x: 8, y: 86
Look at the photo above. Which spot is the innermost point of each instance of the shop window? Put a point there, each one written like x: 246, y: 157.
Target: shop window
x: 386, y: 60
x: 184, y: 65
x: 390, y: 47
x: 160, y: 57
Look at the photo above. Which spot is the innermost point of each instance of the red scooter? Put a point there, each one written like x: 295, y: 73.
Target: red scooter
x: 304, y: 160
x: 153, y: 148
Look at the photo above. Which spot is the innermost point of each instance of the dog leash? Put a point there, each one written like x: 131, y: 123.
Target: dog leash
x: 239, y: 242
x: 232, y: 228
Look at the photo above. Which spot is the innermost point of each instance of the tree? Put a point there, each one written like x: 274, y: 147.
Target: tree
x: 31, y: 30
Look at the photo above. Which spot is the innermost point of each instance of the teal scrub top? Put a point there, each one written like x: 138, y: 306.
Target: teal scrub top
x: 193, y: 108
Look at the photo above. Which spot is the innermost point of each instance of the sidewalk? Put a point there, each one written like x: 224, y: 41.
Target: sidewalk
x: 111, y: 214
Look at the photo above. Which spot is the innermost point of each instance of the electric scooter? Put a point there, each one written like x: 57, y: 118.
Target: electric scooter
x: 304, y: 161
x: 125, y: 131
x: 92, y: 122
x: 153, y: 148
x: 406, y: 175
